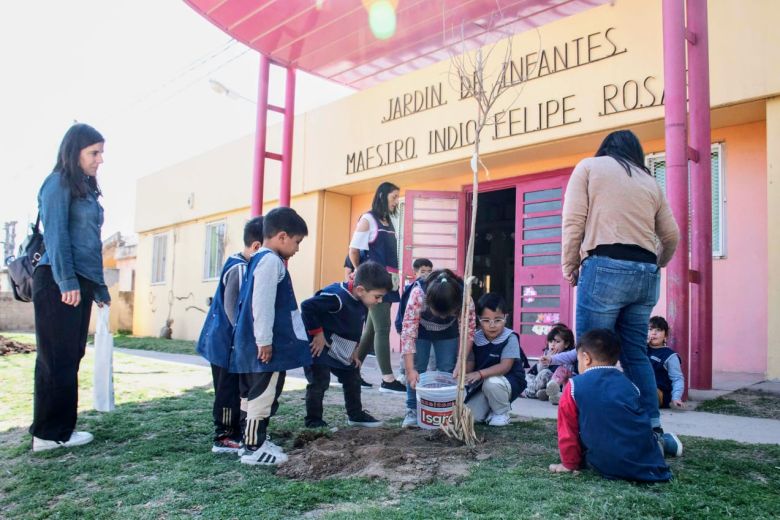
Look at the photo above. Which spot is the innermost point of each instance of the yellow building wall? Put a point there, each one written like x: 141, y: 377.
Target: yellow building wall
x: 626, y: 51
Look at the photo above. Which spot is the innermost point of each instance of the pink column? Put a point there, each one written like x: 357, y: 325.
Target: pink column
x: 676, y: 173
x: 287, y: 138
x: 261, y: 127
x: 701, y: 196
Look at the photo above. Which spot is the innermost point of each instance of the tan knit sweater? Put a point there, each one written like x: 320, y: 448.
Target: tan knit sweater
x: 603, y: 206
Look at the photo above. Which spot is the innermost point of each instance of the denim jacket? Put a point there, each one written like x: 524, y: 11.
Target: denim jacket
x: 71, y: 232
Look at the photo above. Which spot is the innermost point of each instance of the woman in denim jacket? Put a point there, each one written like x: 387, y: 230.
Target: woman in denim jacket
x: 66, y: 281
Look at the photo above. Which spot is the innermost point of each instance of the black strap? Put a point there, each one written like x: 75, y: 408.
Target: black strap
x: 36, y: 227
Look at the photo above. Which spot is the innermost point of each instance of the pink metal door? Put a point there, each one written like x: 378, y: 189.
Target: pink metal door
x: 542, y: 297
x: 434, y: 223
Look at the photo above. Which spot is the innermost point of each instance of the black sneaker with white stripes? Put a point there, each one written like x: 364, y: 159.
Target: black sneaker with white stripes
x: 268, y: 454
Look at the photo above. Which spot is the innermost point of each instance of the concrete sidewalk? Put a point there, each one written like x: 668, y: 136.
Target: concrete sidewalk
x: 683, y: 422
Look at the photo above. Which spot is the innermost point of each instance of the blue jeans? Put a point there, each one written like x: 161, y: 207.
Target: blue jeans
x: 446, y: 352
x: 619, y: 295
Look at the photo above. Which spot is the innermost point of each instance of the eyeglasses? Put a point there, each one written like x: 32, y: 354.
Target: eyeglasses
x: 494, y: 321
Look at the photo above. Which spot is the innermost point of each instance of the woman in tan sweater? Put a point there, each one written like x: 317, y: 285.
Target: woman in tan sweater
x: 618, y: 231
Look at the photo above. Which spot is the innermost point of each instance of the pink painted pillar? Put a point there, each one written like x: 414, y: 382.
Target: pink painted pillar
x: 287, y: 137
x: 701, y: 196
x: 676, y: 173
x: 261, y: 128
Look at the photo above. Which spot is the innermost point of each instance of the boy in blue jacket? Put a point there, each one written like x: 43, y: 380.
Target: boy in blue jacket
x: 334, y: 319
x: 216, y: 341
x: 269, y: 336
x: 601, y: 423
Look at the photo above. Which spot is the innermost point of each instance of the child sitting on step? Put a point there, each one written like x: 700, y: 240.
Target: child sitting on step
x: 547, y: 377
x: 495, y: 370
x: 666, y: 364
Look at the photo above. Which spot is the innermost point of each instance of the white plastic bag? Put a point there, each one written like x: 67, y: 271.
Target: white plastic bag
x: 103, y: 387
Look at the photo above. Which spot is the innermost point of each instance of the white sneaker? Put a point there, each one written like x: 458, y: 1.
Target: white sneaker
x: 553, y: 392
x: 499, y: 419
x: 265, y: 455
x: 76, y: 439
x: 410, y: 419
x: 489, y: 418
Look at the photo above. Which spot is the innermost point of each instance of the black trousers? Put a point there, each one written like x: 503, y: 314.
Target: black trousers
x: 263, y: 391
x: 318, y: 377
x: 61, y: 335
x: 227, y: 404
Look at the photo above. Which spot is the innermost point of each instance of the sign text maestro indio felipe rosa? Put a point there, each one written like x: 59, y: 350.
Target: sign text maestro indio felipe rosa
x: 533, y: 117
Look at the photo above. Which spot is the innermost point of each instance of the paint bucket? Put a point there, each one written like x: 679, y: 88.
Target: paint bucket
x: 436, y: 394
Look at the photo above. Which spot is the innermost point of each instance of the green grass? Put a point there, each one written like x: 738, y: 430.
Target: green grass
x: 151, y: 459
x: 745, y: 402
x: 172, y: 346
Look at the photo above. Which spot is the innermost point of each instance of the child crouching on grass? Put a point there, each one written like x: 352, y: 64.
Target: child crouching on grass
x: 602, y: 425
x: 334, y: 319
x: 495, y: 370
x: 431, y: 321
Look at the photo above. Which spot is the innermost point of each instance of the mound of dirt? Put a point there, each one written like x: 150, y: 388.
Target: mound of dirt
x: 9, y: 346
x: 405, y: 458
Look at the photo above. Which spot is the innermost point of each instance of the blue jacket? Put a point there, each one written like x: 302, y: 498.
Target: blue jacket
x: 340, y: 317
x: 290, y: 345
x: 216, y: 336
x: 615, y: 430
x: 71, y: 233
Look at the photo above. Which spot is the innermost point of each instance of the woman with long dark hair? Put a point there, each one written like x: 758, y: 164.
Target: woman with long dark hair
x: 375, y: 235
x: 66, y: 281
x: 618, y: 232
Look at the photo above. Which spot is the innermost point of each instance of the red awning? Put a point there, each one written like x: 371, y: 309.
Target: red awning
x: 332, y: 38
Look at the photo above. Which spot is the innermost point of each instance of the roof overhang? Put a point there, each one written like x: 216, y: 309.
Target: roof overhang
x: 332, y: 38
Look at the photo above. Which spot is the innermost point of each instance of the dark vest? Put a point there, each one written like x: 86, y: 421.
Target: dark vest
x: 615, y: 431
x: 489, y: 354
x: 658, y: 357
x: 434, y: 328
x: 342, y: 329
x: 384, y: 250
x: 216, y: 336
x: 290, y: 343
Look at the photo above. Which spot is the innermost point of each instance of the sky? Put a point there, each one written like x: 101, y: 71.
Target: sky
x: 139, y: 73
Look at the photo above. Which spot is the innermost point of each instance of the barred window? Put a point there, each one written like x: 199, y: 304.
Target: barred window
x: 657, y: 165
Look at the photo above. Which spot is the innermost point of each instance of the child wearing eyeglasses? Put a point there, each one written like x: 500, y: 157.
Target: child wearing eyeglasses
x: 495, y: 370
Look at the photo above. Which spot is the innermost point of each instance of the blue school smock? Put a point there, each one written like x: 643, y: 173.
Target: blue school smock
x: 216, y: 336
x: 488, y: 353
x: 340, y: 316
x: 615, y: 431
x: 290, y: 349
x: 658, y: 357
x: 383, y: 249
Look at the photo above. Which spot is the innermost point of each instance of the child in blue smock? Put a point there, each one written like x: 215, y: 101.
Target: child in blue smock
x: 269, y: 337
x: 334, y: 319
x: 495, y: 370
x: 216, y: 341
